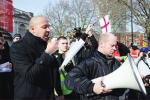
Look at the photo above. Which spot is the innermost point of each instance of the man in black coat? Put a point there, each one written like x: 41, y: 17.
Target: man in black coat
x: 99, y: 64
x: 33, y: 62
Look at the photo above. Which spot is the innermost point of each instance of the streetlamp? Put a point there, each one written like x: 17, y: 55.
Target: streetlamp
x: 132, y: 21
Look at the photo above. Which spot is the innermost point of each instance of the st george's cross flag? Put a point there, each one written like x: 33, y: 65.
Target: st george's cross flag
x: 105, y: 24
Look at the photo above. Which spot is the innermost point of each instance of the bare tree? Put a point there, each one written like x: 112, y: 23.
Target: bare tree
x: 141, y: 14
x: 66, y: 15
x: 116, y: 12
x: 57, y: 17
x: 84, y: 11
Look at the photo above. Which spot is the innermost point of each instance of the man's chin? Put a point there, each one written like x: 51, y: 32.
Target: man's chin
x: 111, y: 54
x: 45, y: 40
x: 65, y: 50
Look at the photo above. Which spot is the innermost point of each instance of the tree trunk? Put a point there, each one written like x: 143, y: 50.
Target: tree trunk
x: 148, y: 36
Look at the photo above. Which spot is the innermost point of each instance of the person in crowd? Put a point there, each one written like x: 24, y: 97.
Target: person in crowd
x: 16, y: 37
x: 144, y: 70
x: 6, y: 74
x: 97, y: 65
x: 143, y: 65
x: 134, y: 51
x: 90, y: 45
x: 60, y: 56
x: 33, y: 62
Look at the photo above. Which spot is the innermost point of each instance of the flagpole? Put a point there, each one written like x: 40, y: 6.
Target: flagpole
x: 95, y: 22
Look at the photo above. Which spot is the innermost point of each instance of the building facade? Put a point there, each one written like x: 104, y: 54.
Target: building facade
x: 139, y: 39
x: 20, y: 21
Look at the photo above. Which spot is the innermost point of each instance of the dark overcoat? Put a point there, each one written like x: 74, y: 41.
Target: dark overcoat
x: 33, y: 69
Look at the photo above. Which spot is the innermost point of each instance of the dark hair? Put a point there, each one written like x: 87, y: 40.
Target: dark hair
x: 77, y: 32
x: 61, y: 37
x: 134, y: 47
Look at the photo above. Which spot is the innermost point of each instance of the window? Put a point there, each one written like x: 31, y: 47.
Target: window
x: 22, y: 29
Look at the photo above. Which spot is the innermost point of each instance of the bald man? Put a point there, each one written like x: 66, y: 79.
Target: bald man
x: 33, y: 63
x: 99, y: 64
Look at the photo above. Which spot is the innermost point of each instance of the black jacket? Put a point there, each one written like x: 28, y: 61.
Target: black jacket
x: 79, y: 78
x: 33, y: 69
x: 60, y: 60
x: 123, y: 49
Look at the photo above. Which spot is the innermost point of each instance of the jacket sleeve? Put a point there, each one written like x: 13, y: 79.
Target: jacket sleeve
x: 57, y: 83
x: 6, y: 45
x: 94, y: 43
x: 123, y: 49
x: 6, y: 52
x: 83, y: 36
x: 31, y: 71
x: 77, y: 80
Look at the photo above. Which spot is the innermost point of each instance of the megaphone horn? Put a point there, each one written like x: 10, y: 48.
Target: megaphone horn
x: 126, y: 76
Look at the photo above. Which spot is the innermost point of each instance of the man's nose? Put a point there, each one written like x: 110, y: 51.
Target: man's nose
x: 114, y: 48
x: 48, y: 29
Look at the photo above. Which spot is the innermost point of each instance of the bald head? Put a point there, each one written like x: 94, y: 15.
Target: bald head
x: 39, y: 27
x: 35, y: 20
x: 107, y: 43
x: 105, y: 37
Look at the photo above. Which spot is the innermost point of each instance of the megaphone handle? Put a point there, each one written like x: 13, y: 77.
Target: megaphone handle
x: 91, y: 94
x: 102, y: 84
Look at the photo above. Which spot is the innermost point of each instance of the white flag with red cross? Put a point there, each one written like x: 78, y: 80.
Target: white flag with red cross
x: 105, y: 24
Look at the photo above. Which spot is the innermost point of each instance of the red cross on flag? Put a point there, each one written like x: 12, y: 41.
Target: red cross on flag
x: 105, y: 24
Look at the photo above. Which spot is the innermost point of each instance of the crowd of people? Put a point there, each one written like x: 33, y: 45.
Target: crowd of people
x: 35, y: 66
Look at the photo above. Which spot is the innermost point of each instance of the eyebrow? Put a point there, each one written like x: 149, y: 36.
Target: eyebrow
x: 45, y: 25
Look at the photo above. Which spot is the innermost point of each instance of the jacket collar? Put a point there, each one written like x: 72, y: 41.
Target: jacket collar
x: 32, y: 40
x: 100, y: 55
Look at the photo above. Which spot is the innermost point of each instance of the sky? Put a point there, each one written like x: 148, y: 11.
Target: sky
x: 34, y: 6
x: 37, y: 7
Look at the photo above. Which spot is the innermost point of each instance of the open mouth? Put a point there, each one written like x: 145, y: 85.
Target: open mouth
x: 46, y: 37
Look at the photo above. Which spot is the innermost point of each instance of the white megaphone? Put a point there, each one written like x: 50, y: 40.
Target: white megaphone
x: 126, y: 76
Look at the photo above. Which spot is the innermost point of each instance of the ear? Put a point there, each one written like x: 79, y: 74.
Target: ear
x: 32, y: 29
x: 101, y: 43
x: 57, y: 43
